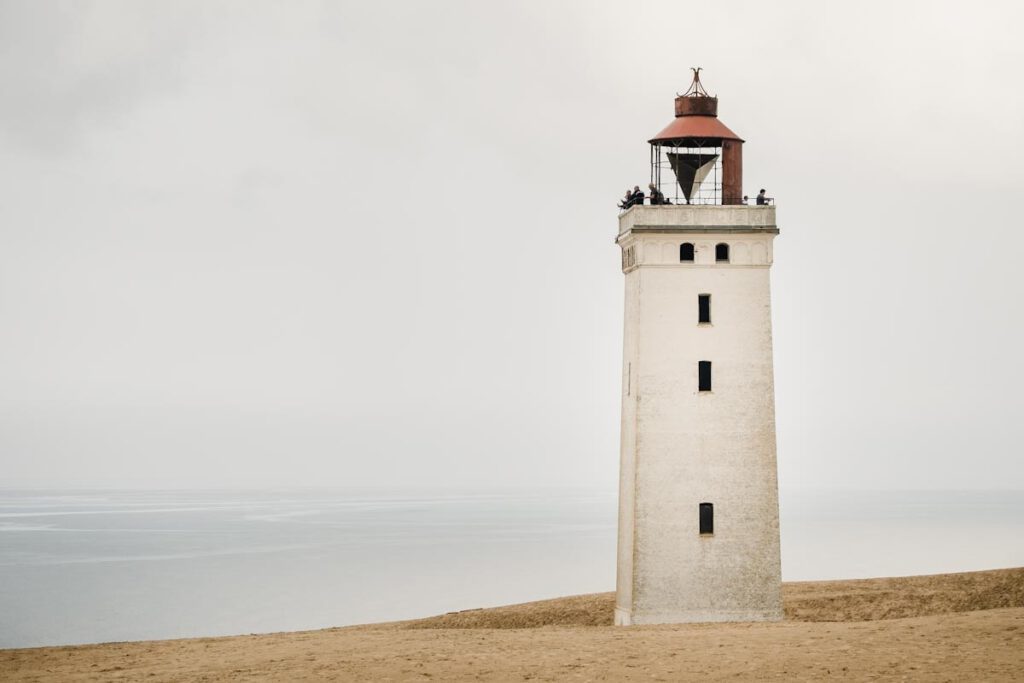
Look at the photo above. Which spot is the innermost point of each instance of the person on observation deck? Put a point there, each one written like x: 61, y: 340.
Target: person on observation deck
x: 637, y: 198
x: 624, y: 204
x: 761, y: 199
x: 656, y: 196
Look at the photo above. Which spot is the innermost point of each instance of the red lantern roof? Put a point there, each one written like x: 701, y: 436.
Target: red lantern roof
x: 690, y: 129
x: 696, y: 123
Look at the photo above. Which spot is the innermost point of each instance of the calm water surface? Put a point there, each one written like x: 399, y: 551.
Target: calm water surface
x: 92, y: 566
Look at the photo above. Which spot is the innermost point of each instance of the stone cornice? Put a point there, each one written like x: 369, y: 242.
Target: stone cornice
x: 698, y: 219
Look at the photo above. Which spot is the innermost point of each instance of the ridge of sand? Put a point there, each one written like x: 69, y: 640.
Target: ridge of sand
x: 947, y: 627
x: 848, y: 600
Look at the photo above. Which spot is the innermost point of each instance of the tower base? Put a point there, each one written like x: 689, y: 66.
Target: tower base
x: 625, y: 618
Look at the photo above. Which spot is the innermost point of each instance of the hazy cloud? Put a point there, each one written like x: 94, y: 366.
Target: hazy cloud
x: 319, y: 243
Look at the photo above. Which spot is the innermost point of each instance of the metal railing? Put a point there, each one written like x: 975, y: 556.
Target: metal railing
x: 625, y: 204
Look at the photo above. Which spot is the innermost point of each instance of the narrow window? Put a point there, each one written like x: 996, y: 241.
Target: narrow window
x: 686, y: 251
x: 707, y: 519
x: 722, y: 252
x: 703, y: 308
x: 704, y: 375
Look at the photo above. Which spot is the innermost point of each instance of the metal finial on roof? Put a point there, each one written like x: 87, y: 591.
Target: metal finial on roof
x: 696, y: 88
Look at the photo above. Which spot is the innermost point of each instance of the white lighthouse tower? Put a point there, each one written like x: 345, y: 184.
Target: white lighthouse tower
x: 698, y: 493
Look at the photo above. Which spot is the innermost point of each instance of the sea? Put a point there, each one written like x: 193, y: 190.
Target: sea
x: 98, y: 566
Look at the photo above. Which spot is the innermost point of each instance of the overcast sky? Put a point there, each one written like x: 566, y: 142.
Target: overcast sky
x: 359, y: 243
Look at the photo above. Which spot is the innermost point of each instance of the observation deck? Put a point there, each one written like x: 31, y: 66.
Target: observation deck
x: 701, y: 218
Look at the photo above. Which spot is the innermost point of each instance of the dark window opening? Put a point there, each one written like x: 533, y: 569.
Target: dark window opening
x: 704, y: 375
x: 707, y: 519
x: 722, y: 252
x: 685, y: 251
x: 703, y: 308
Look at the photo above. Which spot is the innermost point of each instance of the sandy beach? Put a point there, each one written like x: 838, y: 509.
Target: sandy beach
x: 950, y: 627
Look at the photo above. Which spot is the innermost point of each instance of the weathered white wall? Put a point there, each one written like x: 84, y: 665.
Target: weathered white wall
x: 627, y: 481
x: 681, y: 447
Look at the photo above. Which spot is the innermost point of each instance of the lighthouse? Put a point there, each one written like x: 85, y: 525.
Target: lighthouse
x: 698, y: 493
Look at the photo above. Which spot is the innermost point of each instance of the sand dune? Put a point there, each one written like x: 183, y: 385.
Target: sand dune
x: 854, y: 600
x: 951, y: 627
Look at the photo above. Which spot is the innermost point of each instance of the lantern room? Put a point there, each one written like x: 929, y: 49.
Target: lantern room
x: 696, y: 159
